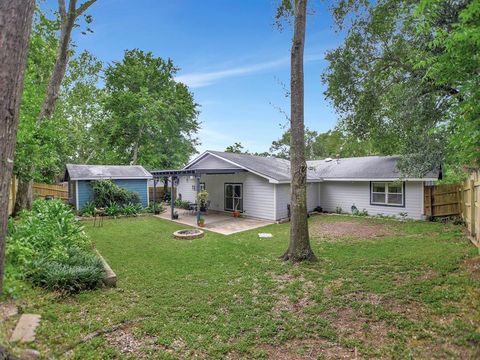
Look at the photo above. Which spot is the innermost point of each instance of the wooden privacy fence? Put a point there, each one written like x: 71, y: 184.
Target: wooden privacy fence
x: 458, y: 199
x: 159, y: 193
x: 47, y: 190
x: 442, y: 200
x: 470, y: 205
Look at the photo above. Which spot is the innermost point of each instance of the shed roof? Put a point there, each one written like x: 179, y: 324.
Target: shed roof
x: 356, y: 168
x: 98, y: 172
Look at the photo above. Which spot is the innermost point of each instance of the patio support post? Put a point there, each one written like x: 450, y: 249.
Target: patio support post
x: 172, y: 200
x: 154, y: 194
x: 198, y: 202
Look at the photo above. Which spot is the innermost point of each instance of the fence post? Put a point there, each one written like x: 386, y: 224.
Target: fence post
x: 472, y: 207
x: 431, y: 200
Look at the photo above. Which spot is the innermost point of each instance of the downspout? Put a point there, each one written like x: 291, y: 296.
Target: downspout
x: 172, y: 200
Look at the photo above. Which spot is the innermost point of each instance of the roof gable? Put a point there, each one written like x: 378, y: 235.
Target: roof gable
x: 208, y: 161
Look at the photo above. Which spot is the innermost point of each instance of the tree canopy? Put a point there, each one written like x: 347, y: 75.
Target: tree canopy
x: 152, y: 118
x: 322, y: 145
x: 406, y: 79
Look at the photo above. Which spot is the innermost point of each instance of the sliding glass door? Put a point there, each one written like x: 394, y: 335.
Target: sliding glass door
x: 234, y: 197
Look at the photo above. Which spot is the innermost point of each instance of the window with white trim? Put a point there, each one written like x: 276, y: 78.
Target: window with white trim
x: 387, y: 193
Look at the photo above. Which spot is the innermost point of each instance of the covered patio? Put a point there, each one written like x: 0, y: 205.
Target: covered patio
x: 216, y: 221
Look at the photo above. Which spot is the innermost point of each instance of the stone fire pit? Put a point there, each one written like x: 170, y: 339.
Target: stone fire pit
x: 188, y: 234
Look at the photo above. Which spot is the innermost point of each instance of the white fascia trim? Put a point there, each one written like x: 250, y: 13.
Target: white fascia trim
x: 308, y: 181
x: 114, y: 178
x: 380, y: 180
x: 271, y: 180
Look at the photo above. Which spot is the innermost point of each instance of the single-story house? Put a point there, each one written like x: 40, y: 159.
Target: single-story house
x: 259, y: 187
x: 133, y: 178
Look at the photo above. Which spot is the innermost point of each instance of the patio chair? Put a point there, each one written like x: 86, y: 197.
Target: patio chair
x: 98, y: 215
x: 192, y: 208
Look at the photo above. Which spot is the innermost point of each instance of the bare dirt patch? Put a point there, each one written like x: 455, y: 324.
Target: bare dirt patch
x: 305, y: 349
x: 355, y: 229
x: 124, y: 341
x: 142, y: 348
x: 472, y: 265
x: 284, y: 303
x: 352, y: 325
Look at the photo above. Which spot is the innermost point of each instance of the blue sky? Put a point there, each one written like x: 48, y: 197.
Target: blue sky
x: 231, y: 56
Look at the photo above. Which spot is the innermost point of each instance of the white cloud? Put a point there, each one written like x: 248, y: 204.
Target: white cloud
x: 201, y: 79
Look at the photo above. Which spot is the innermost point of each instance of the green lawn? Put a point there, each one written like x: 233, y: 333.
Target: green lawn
x: 407, y: 290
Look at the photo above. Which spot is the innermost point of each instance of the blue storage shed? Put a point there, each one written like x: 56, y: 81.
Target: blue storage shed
x: 133, y: 178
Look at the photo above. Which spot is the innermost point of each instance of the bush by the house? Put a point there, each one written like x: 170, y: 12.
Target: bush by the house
x: 182, y: 204
x: 49, y: 232
x: 159, y: 207
x: 113, y: 209
x: 106, y: 192
x: 131, y: 209
x: 88, y: 209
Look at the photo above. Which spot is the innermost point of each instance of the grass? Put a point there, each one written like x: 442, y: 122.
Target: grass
x: 406, y: 294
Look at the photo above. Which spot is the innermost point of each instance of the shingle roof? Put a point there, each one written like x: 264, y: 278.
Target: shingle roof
x: 96, y: 172
x: 365, y: 168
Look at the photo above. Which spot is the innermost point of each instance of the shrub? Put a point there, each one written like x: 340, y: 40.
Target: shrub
x: 113, y: 209
x: 167, y: 196
x: 131, y: 209
x: 338, y: 210
x: 48, y: 230
x: 48, y: 246
x: 88, y: 209
x: 81, y: 271
x: 363, y: 212
x: 182, y: 204
x: 159, y: 207
x: 106, y: 192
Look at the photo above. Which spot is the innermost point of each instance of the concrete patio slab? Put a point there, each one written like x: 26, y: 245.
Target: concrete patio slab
x: 220, y: 223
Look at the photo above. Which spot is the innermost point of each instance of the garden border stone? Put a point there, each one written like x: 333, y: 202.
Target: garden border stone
x: 110, y: 278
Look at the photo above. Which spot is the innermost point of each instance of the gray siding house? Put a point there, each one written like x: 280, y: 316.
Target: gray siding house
x: 134, y: 178
x: 259, y: 187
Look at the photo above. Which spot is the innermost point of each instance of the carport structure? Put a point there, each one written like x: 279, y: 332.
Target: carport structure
x: 174, y: 175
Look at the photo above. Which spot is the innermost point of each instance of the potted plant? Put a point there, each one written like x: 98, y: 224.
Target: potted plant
x: 202, y: 199
x: 201, y: 221
x: 236, y: 213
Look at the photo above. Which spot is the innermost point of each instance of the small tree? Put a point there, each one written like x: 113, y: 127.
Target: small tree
x: 68, y: 16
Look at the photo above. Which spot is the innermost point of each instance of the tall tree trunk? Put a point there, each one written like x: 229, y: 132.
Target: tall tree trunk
x: 24, y: 196
x: 67, y: 22
x: 15, y: 26
x: 299, y: 248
